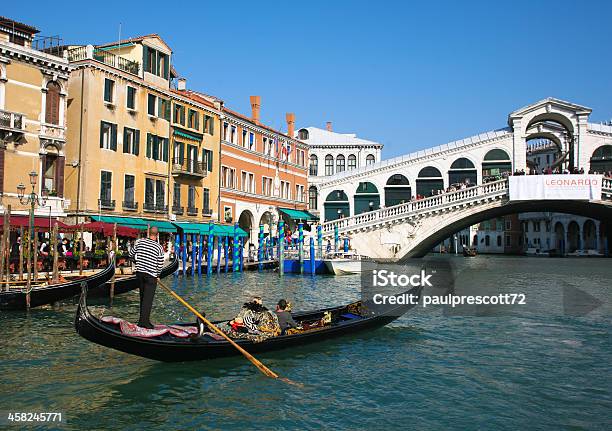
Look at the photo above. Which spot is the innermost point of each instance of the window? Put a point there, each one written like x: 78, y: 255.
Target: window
x: 244, y: 138
x: 487, y: 240
x: 285, y: 190
x: 156, y: 62
x: 151, y: 104
x: 268, y: 149
x: 302, y: 134
x: 227, y: 214
x: 209, y: 125
x: 131, y: 98
x: 192, y: 158
x: 128, y: 189
x: 300, y: 157
x: 508, y: 225
x: 157, y: 147
x: 160, y: 195
x: 52, y: 103
x: 314, y: 165
x: 109, y: 90
x: 179, y: 153
x: 233, y: 134
x: 179, y: 114
x: 370, y: 159
x: 50, y: 173
x: 499, y: 240
x: 228, y: 177
x: 191, y: 197
x: 176, y: 197
x: 108, y: 136
x: 340, y: 163
x: 266, y: 186
x: 508, y: 241
x: 299, y: 193
x: 106, y: 183
x: 352, y: 161
x: 194, y: 120
x: 149, y: 193
x: 247, y: 182
x: 207, y: 159
x: 312, y: 197
x: 536, y: 226
x: 131, y: 141
x: 251, y: 141
x: 329, y: 165
x: 225, y: 132
x: 206, y: 201
x: 163, y: 109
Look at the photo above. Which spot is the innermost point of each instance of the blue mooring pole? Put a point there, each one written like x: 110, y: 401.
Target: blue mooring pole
x: 219, y: 240
x: 177, y: 249
x: 346, y: 244
x: 184, y: 254
x: 320, y: 240
x: 281, y: 248
x: 312, y: 256
x: 209, y: 248
x: 336, y: 238
x: 199, y: 243
x: 193, y: 254
x: 235, y: 256
x: 301, y: 246
x: 260, y: 248
x: 241, y: 242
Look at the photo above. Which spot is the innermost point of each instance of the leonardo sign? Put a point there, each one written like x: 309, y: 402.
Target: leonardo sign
x: 555, y: 187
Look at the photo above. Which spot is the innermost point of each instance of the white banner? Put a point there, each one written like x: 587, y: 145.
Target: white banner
x: 555, y: 187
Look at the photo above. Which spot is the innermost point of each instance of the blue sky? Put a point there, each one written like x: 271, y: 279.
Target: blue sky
x: 408, y: 74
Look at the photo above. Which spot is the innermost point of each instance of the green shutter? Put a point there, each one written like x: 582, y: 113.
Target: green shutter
x: 149, y: 145
x: 167, y: 113
x: 137, y: 142
x: 166, y: 149
x: 145, y: 59
x: 160, y: 107
x: 101, y: 134
x: 210, y: 160
x: 167, y: 67
x: 114, y: 137
x: 125, y: 146
x: 212, y: 125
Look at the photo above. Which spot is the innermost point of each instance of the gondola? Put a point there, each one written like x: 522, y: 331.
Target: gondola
x: 127, y: 283
x: 15, y: 297
x: 170, y: 348
x: 469, y: 252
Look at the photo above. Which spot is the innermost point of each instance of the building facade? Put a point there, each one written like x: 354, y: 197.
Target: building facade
x: 142, y: 148
x: 331, y: 153
x: 33, y: 99
x: 263, y: 171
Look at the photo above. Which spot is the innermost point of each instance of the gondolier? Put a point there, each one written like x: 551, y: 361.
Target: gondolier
x: 149, y: 257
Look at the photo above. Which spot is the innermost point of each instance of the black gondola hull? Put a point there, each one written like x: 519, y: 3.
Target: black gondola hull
x: 17, y: 299
x: 92, y: 329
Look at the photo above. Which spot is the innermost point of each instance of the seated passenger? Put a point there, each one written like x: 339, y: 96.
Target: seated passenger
x: 285, y: 320
x: 249, y: 317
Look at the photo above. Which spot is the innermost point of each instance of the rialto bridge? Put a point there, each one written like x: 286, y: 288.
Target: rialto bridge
x: 378, y: 200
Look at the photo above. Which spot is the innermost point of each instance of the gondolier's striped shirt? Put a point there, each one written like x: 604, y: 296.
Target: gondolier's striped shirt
x: 149, y: 256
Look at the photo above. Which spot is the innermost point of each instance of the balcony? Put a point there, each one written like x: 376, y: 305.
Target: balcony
x: 192, y: 211
x: 207, y: 212
x: 130, y: 206
x: 106, y: 204
x: 12, y: 127
x: 178, y: 210
x: 188, y: 168
x: 103, y: 56
x: 153, y: 207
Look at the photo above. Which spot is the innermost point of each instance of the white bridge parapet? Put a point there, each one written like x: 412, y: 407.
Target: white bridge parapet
x: 421, y: 207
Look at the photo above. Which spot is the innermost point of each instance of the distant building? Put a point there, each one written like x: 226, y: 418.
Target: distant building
x: 33, y: 100
x: 332, y: 153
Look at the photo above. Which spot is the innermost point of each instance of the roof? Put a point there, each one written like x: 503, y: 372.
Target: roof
x: 195, y: 96
x: 4, y: 21
x: 552, y: 101
x: 318, y: 136
x: 135, y: 39
x: 250, y: 120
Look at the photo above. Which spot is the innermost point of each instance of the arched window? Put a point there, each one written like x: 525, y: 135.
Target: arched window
x: 312, y: 197
x: 487, y: 240
x: 340, y: 163
x: 499, y: 241
x: 329, y: 165
x: 601, y: 160
x: 314, y: 165
x: 495, y: 164
x: 370, y: 159
x: 52, y: 103
x: 352, y: 161
x: 302, y: 134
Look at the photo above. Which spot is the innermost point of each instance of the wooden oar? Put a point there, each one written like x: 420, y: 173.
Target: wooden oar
x: 265, y: 370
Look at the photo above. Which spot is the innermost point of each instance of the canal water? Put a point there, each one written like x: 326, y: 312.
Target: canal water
x: 536, y: 367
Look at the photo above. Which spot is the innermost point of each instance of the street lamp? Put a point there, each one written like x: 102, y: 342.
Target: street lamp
x: 32, y: 199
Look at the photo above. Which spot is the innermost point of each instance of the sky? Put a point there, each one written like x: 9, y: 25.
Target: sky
x: 408, y: 74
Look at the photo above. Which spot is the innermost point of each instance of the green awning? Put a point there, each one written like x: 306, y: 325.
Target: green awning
x: 203, y: 228
x: 137, y: 223
x: 299, y: 214
x: 189, y: 135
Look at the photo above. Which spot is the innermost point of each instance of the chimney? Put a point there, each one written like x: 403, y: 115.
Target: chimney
x: 255, y: 105
x: 290, y: 116
x: 181, y: 84
x: 328, y: 126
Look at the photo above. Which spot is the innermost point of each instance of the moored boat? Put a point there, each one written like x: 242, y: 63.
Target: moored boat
x: 15, y: 297
x: 469, y: 251
x: 174, y: 343
x: 344, y: 263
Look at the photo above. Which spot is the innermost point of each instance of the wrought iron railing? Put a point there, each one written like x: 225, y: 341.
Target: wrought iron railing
x: 192, y: 211
x: 107, y: 204
x: 178, y: 210
x: 188, y: 167
x: 130, y: 205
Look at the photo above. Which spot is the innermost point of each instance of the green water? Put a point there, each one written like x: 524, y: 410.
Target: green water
x: 531, y: 368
